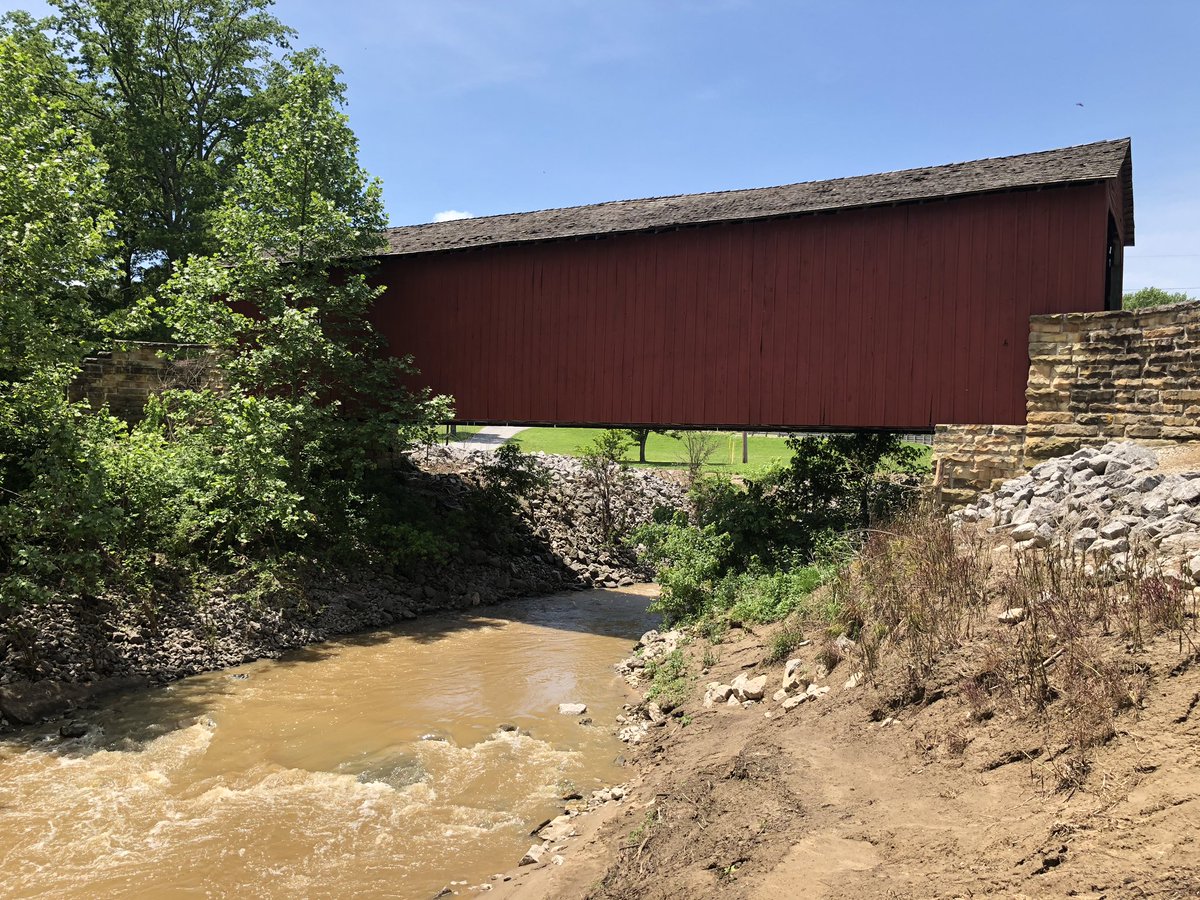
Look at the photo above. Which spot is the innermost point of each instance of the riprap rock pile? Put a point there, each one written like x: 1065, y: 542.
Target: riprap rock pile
x: 1104, y: 503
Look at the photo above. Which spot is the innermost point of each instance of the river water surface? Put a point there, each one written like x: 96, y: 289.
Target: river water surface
x: 372, y: 766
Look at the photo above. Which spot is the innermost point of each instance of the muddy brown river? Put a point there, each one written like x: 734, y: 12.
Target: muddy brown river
x: 373, y: 766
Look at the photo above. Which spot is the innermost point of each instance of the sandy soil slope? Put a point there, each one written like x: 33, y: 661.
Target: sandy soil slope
x: 826, y: 801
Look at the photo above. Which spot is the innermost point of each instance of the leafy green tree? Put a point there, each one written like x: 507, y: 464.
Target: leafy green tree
x: 1152, y: 296
x: 604, y: 464
x: 167, y: 89
x: 53, y: 224
x: 642, y: 435
x: 832, y: 485
x: 286, y: 300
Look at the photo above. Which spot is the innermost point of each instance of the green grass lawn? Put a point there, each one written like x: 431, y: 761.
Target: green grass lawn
x: 661, y: 450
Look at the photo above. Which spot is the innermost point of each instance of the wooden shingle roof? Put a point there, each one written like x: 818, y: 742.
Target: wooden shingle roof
x: 1069, y: 165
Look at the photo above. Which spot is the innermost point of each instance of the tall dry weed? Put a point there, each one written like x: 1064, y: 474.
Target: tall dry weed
x: 918, y: 587
x: 921, y: 588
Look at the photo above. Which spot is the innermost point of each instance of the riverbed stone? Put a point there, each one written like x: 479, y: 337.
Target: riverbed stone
x: 1013, y: 616
x: 1024, y: 532
x: 748, y: 688
x: 572, y: 709
x: 532, y: 856
x: 559, y: 828
x: 1103, y: 505
x: 794, y: 681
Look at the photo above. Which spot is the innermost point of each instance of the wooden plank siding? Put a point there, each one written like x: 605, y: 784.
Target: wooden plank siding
x: 898, y: 317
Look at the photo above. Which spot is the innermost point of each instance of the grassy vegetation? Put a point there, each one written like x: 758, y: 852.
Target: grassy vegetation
x: 668, y: 452
x: 670, y: 679
x: 786, y: 642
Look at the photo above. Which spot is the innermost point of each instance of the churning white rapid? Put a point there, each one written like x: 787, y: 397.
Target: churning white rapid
x: 373, y: 766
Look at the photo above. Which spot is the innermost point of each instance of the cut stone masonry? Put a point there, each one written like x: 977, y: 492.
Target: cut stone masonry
x: 1093, y: 378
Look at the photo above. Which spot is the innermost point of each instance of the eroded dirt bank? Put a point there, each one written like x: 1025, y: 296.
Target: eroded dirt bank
x: 1018, y: 717
x: 824, y: 800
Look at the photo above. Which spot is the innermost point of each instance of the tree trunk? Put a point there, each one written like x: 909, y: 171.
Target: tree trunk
x: 642, y: 438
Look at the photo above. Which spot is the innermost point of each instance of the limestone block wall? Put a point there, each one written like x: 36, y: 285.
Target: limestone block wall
x: 1093, y: 378
x: 972, y: 459
x: 125, y: 379
x: 1124, y: 375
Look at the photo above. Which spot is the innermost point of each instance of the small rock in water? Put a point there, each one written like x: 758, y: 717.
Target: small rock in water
x: 572, y: 709
x: 433, y: 737
x: 73, y: 730
x: 508, y: 726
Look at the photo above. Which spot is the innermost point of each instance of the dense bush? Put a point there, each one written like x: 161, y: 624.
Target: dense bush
x: 690, y: 561
x: 285, y: 464
x: 757, y: 552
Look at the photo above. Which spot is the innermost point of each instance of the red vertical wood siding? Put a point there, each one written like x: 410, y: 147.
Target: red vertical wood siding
x: 896, y: 317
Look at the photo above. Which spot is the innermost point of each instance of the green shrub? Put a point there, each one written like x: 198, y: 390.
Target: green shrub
x: 833, y: 486
x: 759, y: 598
x: 604, y: 466
x: 785, y: 642
x: 670, y: 678
x: 689, y: 561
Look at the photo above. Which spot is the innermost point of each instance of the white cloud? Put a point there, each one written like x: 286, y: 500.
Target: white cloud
x: 449, y: 215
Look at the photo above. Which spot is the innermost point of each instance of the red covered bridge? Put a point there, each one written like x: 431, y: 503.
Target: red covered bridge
x: 895, y: 301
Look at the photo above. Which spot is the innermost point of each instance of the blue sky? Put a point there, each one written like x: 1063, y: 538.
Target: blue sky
x: 492, y: 106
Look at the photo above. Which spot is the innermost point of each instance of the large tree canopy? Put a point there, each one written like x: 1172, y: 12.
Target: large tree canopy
x: 285, y: 287
x: 167, y: 90
x: 53, y: 224
x: 286, y: 297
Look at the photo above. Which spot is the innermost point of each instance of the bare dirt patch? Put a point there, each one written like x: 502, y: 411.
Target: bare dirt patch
x: 827, y: 801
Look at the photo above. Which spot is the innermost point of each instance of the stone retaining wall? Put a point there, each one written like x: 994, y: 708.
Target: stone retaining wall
x: 1100, y: 377
x: 1093, y: 378
x: 971, y: 459
x: 125, y: 379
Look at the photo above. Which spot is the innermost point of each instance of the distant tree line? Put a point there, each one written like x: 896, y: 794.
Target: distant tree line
x: 1152, y: 296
